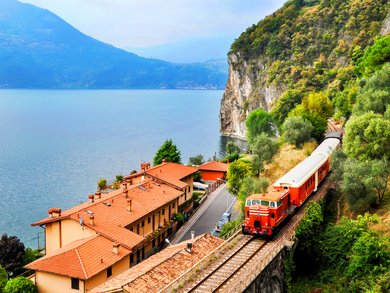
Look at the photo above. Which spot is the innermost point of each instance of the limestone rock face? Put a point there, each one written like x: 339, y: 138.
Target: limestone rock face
x: 245, y: 91
x: 386, y: 26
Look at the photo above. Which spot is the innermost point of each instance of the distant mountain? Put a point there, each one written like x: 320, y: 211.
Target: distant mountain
x: 190, y: 50
x: 40, y: 50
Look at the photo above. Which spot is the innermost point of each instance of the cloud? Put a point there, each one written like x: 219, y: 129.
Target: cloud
x: 145, y: 23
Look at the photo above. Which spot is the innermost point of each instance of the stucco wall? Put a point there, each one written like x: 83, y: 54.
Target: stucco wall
x: 49, y: 283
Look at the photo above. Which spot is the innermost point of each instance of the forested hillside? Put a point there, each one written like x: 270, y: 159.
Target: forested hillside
x: 304, y: 47
x: 309, y: 62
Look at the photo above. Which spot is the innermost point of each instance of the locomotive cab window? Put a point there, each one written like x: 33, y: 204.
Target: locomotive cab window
x: 272, y: 204
x: 248, y: 202
x: 280, y: 202
x: 265, y: 203
x: 255, y: 201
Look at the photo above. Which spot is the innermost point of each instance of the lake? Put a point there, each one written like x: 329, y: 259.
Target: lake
x: 55, y: 145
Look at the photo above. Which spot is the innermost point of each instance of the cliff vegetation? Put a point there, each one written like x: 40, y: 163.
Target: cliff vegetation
x: 306, y: 47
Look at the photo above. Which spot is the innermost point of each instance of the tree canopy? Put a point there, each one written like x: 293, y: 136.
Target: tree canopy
x: 236, y: 172
x: 168, y: 152
x: 263, y: 149
x: 297, y: 130
x: 196, y: 160
x: 11, y: 253
x: 257, y: 122
x: 367, y: 137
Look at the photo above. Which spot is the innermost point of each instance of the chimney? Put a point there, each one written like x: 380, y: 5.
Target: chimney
x: 115, y: 248
x: 124, y: 186
x: 91, y: 220
x: 91, y: 198
x: 98, y: 194
x: 54, y: 212
x: 129, y: 203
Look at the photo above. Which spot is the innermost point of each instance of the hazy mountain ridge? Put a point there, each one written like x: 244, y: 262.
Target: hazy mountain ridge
x: 40, y: 50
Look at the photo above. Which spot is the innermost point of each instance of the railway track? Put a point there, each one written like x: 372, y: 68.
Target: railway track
x: 219, y: 275
x: 235, y: 269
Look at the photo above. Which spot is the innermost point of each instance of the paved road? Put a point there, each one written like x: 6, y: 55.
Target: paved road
x: 207, y: 216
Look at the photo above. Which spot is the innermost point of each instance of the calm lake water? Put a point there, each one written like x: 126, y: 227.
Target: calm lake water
x: 55, y: 145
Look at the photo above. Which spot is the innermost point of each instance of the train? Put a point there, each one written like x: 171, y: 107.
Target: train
x: 266, y: 212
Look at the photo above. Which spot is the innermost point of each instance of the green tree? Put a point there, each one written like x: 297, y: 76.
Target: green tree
x: 365, y: 183
x: 251, y: 185
x: 197, y: 176
x: 257, y: 122
x: 370, y: 255
x: 307, y: 253
x: 338, y: 240
x: 337, y: 162
x: 297, y: 130
x: 236, y: 172
x: 102, y: 183
x: 344, y: 101
x: 317, y: 103
x: 20, y: 285
x: 375, y: 96
x: 168, y: 152
x: 196, y: 160
x: 232, y: 148
x: 375, y: 56
x: 3, y: 278
x: 263, y: 149
x: 11, y: 253
x: 286, y: 102
x: 367, y: 137
x: 119, y: 178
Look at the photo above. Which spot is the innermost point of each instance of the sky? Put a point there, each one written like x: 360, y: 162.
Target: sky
x: 181, y: 30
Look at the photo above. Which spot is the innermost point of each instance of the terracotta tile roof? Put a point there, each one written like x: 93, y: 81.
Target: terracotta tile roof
x: 81, y: 259
x: 111, y: 215
x: 214, y: 166
x: 162, y: 268
x: 171, y: 173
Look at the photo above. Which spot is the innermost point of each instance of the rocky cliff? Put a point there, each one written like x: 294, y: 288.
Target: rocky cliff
x: 307, y: 45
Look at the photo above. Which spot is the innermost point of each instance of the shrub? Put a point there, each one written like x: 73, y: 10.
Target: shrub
x: 102, y: 183
x: 20, y: 285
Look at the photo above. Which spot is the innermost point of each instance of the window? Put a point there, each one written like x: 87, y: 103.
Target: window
x: 248, y: 202
x: 265, y: 203
x: 173, y: 205
x: 280, y: 202
x: 163, y: 211
x: 273, y: 204
x: 255, y: 202
x: 143, y: 223
x: 75, y: 284
x: 149, y: 220
x: 109, y: 272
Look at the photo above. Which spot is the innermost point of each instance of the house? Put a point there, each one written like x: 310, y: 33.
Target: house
x: 213, y: 171
x: 158, y: 271
x: 95, y: 241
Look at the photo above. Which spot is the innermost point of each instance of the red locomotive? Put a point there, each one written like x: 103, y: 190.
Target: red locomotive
x: 265, y: 212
